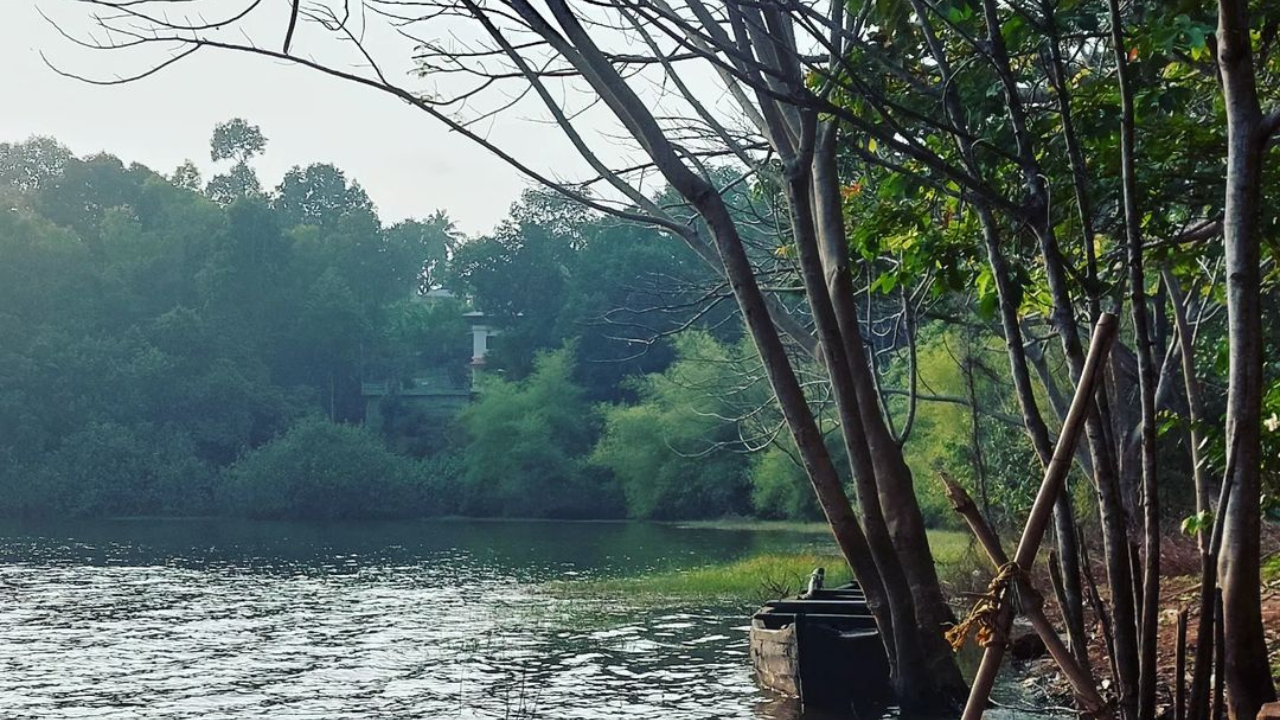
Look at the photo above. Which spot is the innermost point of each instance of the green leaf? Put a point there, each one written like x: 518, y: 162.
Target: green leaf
x: 1197, y: 523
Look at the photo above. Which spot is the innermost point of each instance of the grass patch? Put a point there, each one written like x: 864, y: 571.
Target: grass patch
x: 752, y: 580
x: 1271, y: 568
x: 950, y: 546
x: 747, y: 581
x: 794, y: 526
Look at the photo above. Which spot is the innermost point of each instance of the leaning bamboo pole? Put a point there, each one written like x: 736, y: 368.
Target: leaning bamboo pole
x: 1055, y: 474
x: 1030, y: 603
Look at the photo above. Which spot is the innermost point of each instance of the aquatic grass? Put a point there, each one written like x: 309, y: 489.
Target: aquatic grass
x: 791, y: 526
x: 948, y: 545
x: 750, y: 580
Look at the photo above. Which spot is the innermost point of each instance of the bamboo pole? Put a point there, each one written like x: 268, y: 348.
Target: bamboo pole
x: 1055, y: 473
x: 1031, y: 602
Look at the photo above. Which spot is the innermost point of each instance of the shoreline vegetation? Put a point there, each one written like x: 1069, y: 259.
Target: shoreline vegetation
x: 752, y: 580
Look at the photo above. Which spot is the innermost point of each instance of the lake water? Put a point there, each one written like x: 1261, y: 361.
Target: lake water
x: 449, y: 619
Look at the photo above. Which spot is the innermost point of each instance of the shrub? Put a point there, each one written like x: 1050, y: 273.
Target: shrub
x: 780, y: 490
x: 322, y: 470
x: 674, y: 453
x: 108, y: 469
x: 528, y: 441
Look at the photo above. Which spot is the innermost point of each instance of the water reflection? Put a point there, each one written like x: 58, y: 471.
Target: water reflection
x: 215, y: 619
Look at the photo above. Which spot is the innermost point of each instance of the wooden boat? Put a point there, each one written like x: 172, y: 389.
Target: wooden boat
x: 822, y: 647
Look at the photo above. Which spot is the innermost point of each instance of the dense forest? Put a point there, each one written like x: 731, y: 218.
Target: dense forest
x: 180, y: 347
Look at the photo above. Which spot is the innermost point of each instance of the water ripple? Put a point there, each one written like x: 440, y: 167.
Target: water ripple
x: 88, y: 632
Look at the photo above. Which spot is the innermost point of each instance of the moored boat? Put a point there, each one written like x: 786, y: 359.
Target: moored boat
x: 822, y: 647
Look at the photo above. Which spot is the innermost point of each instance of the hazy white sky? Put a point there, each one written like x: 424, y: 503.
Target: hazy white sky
x: 409, y: 164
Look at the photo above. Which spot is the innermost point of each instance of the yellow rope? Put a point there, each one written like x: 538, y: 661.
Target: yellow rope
x: 983, y: 618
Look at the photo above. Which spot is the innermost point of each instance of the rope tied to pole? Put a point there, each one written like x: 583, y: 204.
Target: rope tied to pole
x: 983, y: 620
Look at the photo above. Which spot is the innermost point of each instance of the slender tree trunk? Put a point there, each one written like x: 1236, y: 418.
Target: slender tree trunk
x: 1146, y: 379
x: 1079, y: 169
x: 975, y: 432
x: 1064, y: 315
x: 1247, y: 675
x: 1198, y: 707
x: 1114, y: 521
x: 1115, y: 545
x: 893, y: 477
x: 1064, y: 521
x: 765, y: 31
x: 1180, y: 668
x: 911, y: 682
x: 635, y: 115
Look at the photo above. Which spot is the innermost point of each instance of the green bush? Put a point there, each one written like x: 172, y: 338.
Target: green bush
x: 108, y: 469
x: 673, y: 453
x: 780, y: 490
x: 528, y: 443
x: 322, y: 470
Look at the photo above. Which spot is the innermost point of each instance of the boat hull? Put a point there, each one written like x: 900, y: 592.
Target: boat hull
x: 825, y: 650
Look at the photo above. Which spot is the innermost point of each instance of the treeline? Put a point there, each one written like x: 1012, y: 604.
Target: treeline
x: 175, y: 347
x: 170, y: 346
x: 152, y: 336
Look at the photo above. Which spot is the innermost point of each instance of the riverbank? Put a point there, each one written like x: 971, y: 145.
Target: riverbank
x: 751, y: 580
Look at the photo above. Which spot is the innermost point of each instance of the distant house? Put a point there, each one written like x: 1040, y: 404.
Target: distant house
x: 423, y: 406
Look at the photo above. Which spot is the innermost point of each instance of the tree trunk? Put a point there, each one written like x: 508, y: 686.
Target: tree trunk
x: 635, y: 115
x: 1247, y: 675
x: 1063, y: 517
x: 893, y: 478
x: 1198, y: 707
x: 1064, y: 521
x: 911, y: 682
x: 1150, y: 603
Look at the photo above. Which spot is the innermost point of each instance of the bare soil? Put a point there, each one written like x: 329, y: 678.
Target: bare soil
x: 1180, y: 587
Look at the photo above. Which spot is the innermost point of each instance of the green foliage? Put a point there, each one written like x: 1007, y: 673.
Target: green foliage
x: 149, y: 337
x: 324, y: 470
x: 780, y: 490
x: 240, y: 142
x: 320, y: 195
x: 551, y: 273
x: 27, y: 166
x: 106, y: 469
x: 528, y: 440
x: 237, y: 183
x: 187, y: 176
x: 672, y: 452
x: 942, y: 436
x: 1196, y: 523
x: 237, y: 140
